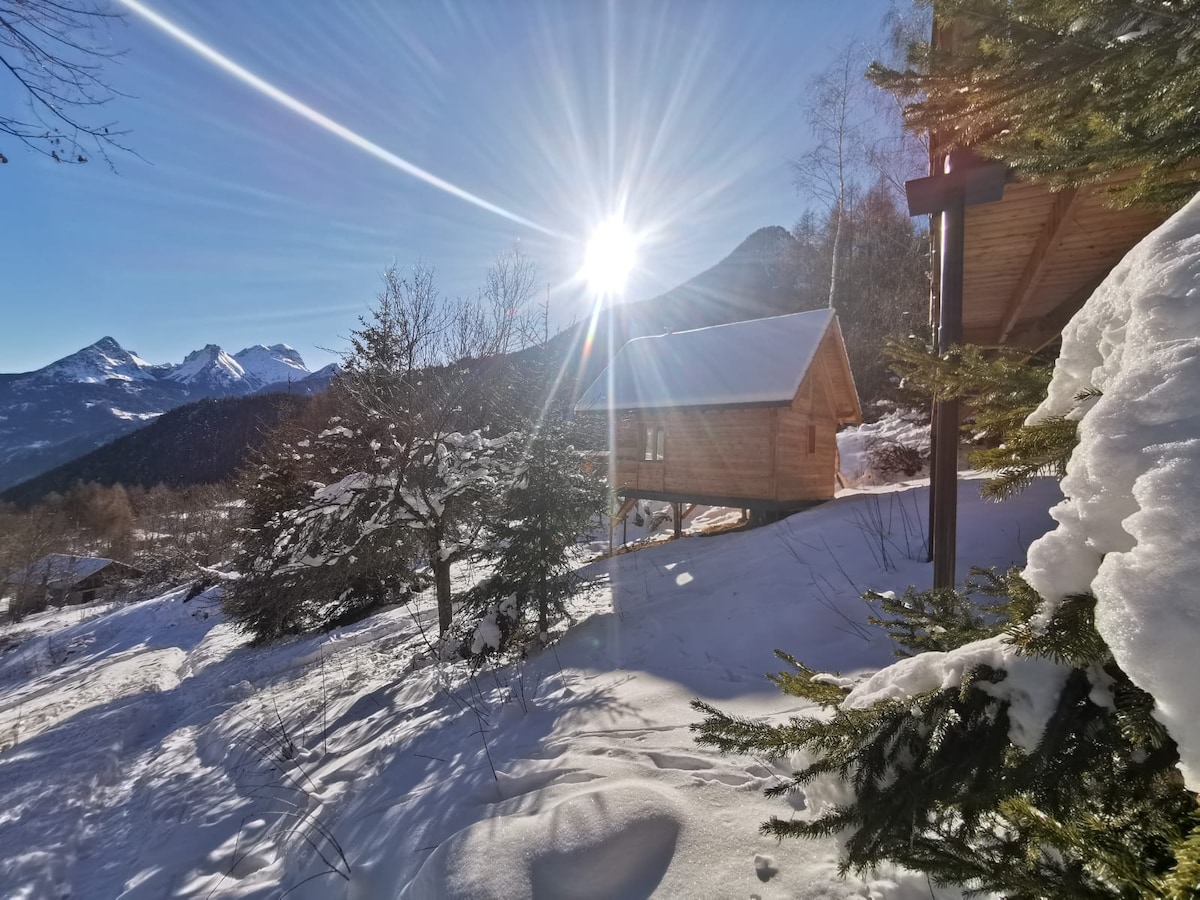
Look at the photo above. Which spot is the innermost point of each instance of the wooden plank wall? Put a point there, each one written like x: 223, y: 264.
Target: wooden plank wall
x: 804, y: 475
x: 752, y: 453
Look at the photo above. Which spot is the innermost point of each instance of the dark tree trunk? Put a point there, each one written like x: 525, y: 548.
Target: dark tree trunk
x: 441, y: 577
x: 543, y: 602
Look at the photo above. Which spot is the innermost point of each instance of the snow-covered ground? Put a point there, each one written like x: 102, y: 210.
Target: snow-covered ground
x: 151, y: 753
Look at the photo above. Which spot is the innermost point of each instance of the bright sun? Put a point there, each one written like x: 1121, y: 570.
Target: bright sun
x: 611, y: 255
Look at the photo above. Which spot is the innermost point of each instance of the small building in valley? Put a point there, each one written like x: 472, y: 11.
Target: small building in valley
x: 59, y: 578
x: 742, y: 415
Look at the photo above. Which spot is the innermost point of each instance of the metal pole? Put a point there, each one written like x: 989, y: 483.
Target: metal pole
x: 945, y: 472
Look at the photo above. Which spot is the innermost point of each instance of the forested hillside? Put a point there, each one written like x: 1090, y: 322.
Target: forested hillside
x: 200, y: 443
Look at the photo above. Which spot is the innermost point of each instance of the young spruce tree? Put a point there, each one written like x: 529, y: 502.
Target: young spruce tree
x: 556, y: 495
x: 936, y: 782
x: 1068, y: 90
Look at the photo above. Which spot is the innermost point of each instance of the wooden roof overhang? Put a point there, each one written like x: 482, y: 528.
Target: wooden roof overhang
x: 1032, y: 258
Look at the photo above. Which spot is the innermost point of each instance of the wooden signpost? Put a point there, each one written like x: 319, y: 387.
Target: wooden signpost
x: 965, y: 181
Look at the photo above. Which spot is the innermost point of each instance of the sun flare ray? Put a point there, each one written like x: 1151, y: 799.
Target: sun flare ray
x: 286, y: 100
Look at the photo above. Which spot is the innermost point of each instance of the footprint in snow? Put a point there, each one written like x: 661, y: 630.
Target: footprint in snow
x: 764, y: 867
x: 733, y: 779
x: 676, y: 761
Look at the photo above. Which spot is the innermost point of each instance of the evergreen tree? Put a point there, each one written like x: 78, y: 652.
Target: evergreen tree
x: 941, y: 619
x: 939, y: 779
x: 555, y: 495
x: 1000, y: 388
x: 300, y: 575
x: 1068, y: 90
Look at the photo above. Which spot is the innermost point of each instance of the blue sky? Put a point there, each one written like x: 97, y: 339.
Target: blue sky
x: 245, y: 223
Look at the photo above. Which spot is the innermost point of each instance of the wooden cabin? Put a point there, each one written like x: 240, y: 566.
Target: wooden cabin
x: 59, y: 579
x: 742, y: 415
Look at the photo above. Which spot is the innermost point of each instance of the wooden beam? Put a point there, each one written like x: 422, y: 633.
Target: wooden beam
x: 1035, y: 266
x: 773, y: 451
x: 626, y: 507
x: 1036, y: 336
x: 731, y: 501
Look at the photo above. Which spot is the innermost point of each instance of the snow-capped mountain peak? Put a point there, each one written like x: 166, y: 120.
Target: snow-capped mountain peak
x: 271, y: 365
x: 92, y: 396
x: 97, y: 363
x: 209, y: 367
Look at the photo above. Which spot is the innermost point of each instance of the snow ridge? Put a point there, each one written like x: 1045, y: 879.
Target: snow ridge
x: 211, y: 364
x: 97, y: 363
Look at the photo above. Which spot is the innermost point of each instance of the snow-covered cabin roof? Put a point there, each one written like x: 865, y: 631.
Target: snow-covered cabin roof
x: 58, y: 570
x: 760, y: 361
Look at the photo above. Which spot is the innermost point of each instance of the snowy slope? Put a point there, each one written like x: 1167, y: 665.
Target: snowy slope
x: 1130, y: 526
x: 151, y: 753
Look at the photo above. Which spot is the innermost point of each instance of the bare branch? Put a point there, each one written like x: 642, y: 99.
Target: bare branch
x: 55, y: 50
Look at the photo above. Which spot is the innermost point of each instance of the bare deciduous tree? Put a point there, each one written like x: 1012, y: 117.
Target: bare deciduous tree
x: 404, y: 473
x: 55, y: 50
x: 836, y: 110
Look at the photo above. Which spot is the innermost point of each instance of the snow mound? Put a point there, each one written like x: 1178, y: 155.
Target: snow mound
x: 1031, y: 687
x: 616, y: 841
x: 1129, y: 527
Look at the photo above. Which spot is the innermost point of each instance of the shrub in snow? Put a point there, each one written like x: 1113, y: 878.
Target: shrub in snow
x: 492, y: 633
x: 894, y: 447
x: 891, y: 458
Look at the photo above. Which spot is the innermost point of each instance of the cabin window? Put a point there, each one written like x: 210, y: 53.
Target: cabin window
x: 654, y: 443
x: 812, y: 439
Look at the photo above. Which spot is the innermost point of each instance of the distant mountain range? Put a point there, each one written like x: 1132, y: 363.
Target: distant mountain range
x: 103, y: 391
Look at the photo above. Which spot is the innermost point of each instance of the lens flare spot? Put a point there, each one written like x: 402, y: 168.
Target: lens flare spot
x: 611, y: 256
